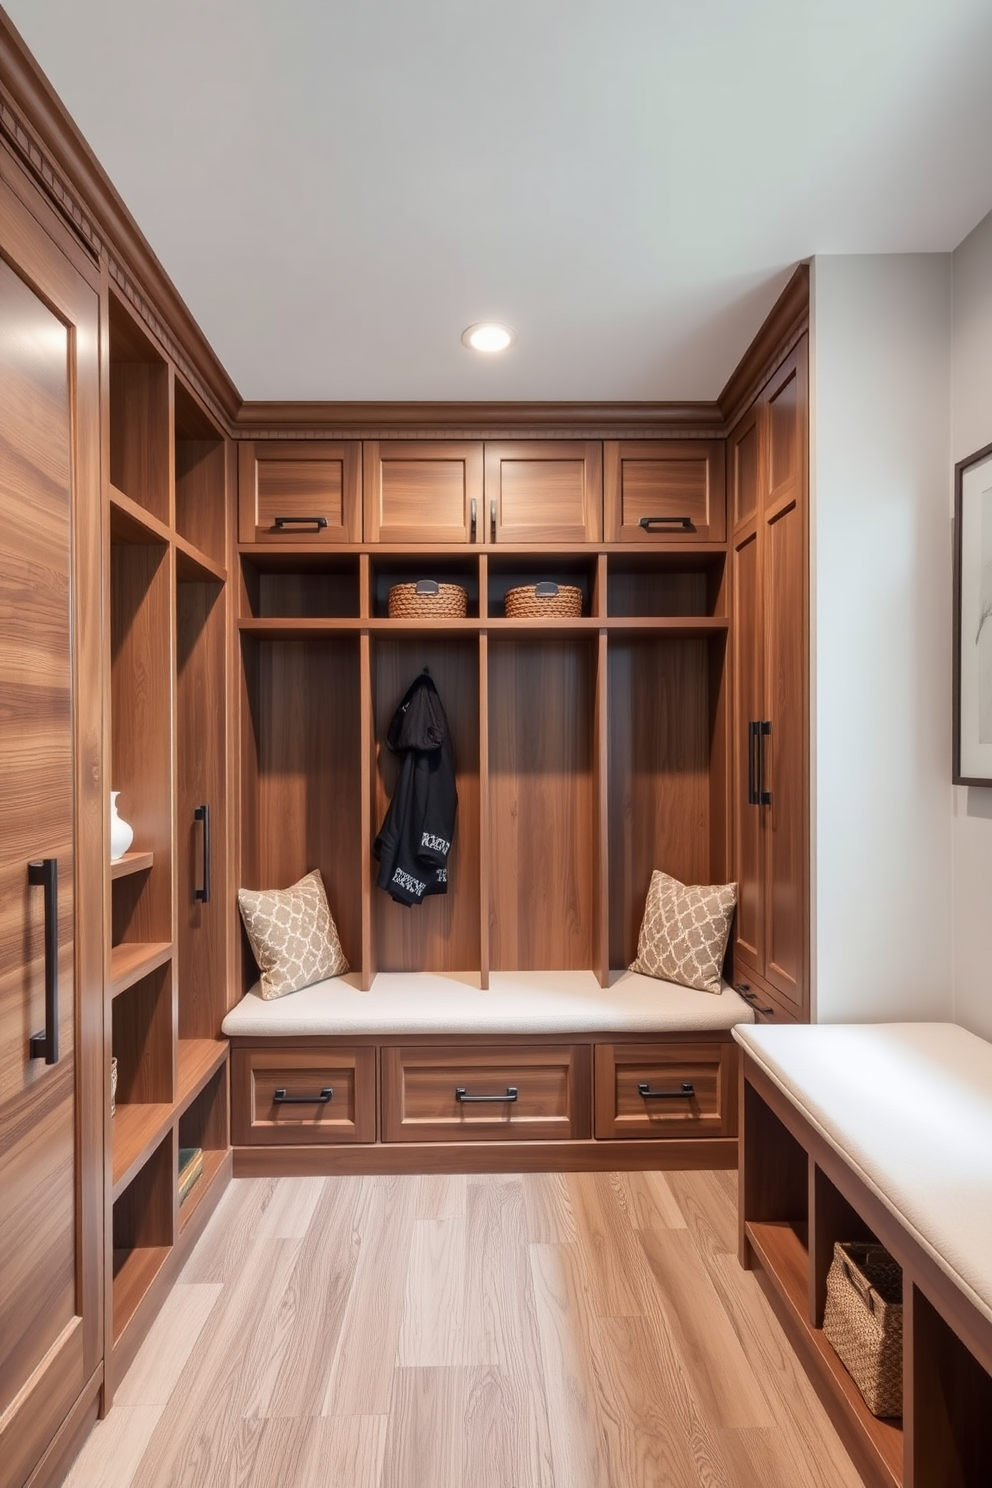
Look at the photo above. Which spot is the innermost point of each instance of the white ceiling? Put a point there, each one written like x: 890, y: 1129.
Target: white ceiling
x: 339, y: 187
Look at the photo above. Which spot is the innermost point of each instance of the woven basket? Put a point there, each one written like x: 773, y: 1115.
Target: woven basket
x: 863, y: 1321
x: 427, y: 598
x: 546, y: 598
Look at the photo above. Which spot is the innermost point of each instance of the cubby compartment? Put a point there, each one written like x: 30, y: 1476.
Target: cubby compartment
x: 140, y: 416
x: 201, y: 478
x: 143, y: 1231
x: 204, y: 1125
x: 665, y: 762
x: 506, y: 571
x: 542, y: 789
x: 143, y: 1019
x: 300, y: 586
x: 442, y: 933
x: 202, y: 881
x: 389, y: 569
x: 775, y: 1197
x: 301, y: 764
x: 658, y: 585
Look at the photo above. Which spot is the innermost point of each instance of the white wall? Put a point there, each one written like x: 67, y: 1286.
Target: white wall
x: 971, y: 430
x: 881, y: 614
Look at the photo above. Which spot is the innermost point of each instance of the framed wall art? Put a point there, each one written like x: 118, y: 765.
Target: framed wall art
x: 973, y: 619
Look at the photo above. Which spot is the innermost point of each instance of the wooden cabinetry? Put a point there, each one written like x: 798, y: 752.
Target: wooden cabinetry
x: 169, y: 923
x: 672, y: 489
x: 52, y: 814
x: 307, y: 490
x: 548, y: 491
x: 768, y: 479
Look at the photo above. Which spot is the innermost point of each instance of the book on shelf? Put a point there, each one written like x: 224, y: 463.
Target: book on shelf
x: 190, y: 1169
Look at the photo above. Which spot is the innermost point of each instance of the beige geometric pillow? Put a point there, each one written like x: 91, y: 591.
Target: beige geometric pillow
x: 292, y: 934
x: 684, y: 932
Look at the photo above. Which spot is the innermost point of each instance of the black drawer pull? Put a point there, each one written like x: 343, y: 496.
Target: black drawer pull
x: 281, y: 523
x: 653, y: 524
x: 280, y: 1098
x: 461, y: 1095
x: 45, y: 875
x: 645, y: 1091
x: 744, y: 988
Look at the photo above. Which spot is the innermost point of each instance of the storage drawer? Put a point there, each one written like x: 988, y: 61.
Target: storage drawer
x: 676, y: 487
x: 477, y: 1095
x: 280, y: 1095
x: 654, y: 1090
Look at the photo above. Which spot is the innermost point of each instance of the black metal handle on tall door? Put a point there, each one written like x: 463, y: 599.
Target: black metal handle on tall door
x: 202, y: 894
x: 752, y: 763
x: 45, y: 1045
x: 764, y: 796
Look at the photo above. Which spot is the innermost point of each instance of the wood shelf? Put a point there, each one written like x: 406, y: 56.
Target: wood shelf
x: 213, y: 1162
x: 471, y: 552
x: 137, y: 1131
x: 132, y: 862
x: 198, y: 1060
x: 134, y: 1272
x: 133, y: 960
x: 195, y: 566
x: 688, y: 627
x: 131, y: 523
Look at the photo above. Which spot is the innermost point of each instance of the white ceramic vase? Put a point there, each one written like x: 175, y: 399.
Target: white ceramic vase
x: 121, y: 834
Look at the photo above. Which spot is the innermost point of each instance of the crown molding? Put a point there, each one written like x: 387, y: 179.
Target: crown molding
x: 782, y: 328
x: 285, y: 420
x: 41, y: 133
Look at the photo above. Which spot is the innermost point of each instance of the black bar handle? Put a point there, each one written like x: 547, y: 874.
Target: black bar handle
x: 652, y: 524
x: 46, y: 875
x: 280, y: 1098
x: 461, y: 1095
x: 475, y: 518
x: 764, y: 796
x: 752, y: 764
x: 492, y: 520
x: 744, y: 988
x: 281, y: 523
x: 202, y: 894
x: 645, y: 1091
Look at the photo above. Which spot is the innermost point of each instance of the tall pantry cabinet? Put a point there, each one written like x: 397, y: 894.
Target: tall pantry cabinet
x: 51, y: 836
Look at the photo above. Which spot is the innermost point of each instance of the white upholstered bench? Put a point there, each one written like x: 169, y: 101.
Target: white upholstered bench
x: 882, y: 1131
x: 428, y: 1072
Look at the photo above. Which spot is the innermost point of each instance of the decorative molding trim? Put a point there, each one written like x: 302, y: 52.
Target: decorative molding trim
x: 782, y: 328
x: 273, y: 420
x: 40, y: 132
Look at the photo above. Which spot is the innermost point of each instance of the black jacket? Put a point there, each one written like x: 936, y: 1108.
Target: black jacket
x: 415, y: 837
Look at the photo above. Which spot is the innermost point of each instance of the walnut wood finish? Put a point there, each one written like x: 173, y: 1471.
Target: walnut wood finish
x: 419, y: 1100
x: 201, y: 456
x: 349, y: 1115
x: 782, y: 328
x: 621, y: 1110
x: 306, y: 478
x: 664, y: 478
x: 50, y: 801
x: 422, y: 491
x: 543, y: 492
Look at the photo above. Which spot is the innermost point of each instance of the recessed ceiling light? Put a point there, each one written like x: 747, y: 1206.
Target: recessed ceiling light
x: 488, y: 336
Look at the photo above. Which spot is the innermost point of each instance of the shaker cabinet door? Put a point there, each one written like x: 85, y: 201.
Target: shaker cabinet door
x: 665, y: 490
x: 300, y: 491
x: 423, y: 491
x: 544, y: 491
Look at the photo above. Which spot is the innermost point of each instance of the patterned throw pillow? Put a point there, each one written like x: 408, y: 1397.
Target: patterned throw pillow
x: 684, y: 932
x: 292, y: 934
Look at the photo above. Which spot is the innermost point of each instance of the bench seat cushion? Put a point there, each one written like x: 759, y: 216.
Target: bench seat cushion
x: 516, y: 1002
x: 908, y: 1106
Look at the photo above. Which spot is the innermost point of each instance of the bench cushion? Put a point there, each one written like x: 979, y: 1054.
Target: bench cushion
x: 517, y: 1002
x: 908, y: 1106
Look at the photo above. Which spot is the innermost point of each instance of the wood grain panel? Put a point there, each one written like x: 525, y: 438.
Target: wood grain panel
x: 544, y: 491
x: 665, y: 478
x: 201, y: 727
x: 201, y: 495
x: 141, y: 450
x: 541, y: 804
x: 304, y: 727
x: 143, y: 1039
x: 349, y: 1116
x: 442, y: 933
x: 744, y: 454
x: 422, y: 491
x: 621, y: 1111
x: 305, y: 478
x: 659, y: 780
x: 748, y: 707
x: 419, y: 1101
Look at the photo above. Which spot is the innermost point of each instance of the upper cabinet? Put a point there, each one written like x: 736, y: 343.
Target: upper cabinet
x: 300, y: 491
x: 665, y: 490
x: 423, y: 491
x: 544, y: 491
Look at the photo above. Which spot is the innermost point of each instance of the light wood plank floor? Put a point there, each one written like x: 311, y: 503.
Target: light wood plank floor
x: 545, y: 1331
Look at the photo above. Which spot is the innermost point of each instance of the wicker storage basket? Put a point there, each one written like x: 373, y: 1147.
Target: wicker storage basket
x: 427, y: 598
x: 546, y: 598
x: 863, y: 1321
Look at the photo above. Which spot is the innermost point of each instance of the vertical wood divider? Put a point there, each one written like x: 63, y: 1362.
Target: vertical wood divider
x: 600, y: 595
x: 484, y: 849
x: 233, y: 591
x: 171, y: 445
x: 173, y: 752
x: 364, y: 586
x: 601, y: 840
x: 367, y: 725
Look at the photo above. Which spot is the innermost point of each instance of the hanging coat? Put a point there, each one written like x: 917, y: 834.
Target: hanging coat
x: 415, y: 838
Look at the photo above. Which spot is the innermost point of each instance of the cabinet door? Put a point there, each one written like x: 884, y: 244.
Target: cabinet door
x: 544, y: 491
x: 671, y: 490
x: 422, y: 491
x: 300, y: 491
x: 749, y: 922
x: 50, y: 1189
